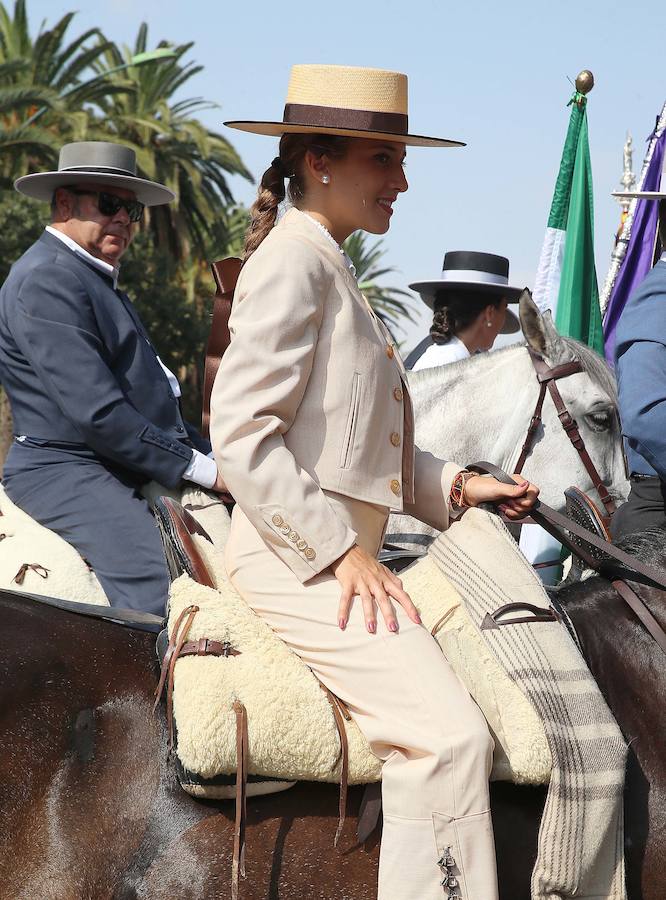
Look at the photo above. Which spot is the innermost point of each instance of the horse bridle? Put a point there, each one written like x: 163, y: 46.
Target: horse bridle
x: 547, y: 376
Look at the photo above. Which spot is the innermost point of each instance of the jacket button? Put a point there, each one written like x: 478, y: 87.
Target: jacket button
x: 285, y: 529
x: 277, y: 520
x: 293, y: 536
x: 395, y: 439
x: 310, y: 553
x: 390, y: 351
x: 397, y: 393
x: 302, y: 545
x: 395, y: 487
x: 180, y: 428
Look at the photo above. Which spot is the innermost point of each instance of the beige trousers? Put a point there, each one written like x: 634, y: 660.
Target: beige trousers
x: 408, y: 702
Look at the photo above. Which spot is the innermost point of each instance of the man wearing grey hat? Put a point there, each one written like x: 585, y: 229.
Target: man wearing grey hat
x: 96, y: 412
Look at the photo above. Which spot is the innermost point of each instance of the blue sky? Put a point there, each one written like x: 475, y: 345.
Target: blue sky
x: 491, y: 74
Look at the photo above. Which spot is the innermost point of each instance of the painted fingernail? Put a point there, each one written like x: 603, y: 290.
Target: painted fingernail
x: 418, y: 620
x: 372, y: 627
x: 342, y: 623
x: 393, y: 626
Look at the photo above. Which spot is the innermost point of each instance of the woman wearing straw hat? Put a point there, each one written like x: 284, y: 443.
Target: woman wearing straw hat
x: 469, y: 302
x: 313, y: 431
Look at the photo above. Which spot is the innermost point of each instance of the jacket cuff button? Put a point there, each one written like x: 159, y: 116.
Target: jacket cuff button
x: 277, y: 520
x: 310, y: 553
x: 395, y: 487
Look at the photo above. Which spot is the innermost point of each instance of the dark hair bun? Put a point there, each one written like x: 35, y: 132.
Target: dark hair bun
x: 440, y: 330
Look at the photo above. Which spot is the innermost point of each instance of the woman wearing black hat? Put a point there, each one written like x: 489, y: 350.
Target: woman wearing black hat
x: 469, y: 301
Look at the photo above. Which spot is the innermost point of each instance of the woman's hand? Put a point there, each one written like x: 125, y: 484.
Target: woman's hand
x: 515, y: 502
x: 360, y: 574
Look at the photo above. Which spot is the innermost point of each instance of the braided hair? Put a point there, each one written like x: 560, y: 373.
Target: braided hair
x: 287, y: 165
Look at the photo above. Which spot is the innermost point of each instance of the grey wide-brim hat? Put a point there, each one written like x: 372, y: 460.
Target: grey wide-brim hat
x: 469, y: 270
x: 94, y: 162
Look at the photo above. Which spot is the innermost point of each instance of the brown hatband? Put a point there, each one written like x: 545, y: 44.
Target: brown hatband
x: 349, y: 119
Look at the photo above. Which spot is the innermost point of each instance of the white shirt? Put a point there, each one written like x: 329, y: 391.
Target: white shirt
x: 442, y: 354
x: 329, y: 237
x: 202, y: 469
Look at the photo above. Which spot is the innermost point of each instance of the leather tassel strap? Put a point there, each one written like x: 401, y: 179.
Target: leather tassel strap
x: 176, y: 642
x: 340, y: 713
x: 238, y: 864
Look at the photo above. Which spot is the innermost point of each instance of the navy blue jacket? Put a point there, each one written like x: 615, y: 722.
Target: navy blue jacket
x: 640, y: 366
x: 79, y: 368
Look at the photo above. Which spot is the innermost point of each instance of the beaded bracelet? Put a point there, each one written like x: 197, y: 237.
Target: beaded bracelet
x: 457, y: 493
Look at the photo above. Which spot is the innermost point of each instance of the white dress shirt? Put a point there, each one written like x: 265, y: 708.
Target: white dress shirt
x: 202, y: 469
x: 442, y: 354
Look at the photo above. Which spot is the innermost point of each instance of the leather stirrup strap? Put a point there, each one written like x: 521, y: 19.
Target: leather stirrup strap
x: 370, y: 811
x: 238, y: 864
x: 225, y: 273
x: 340, y: 713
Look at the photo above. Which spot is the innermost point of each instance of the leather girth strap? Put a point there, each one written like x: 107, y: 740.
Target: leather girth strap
x: 179, y: 646
x: 225, y: 273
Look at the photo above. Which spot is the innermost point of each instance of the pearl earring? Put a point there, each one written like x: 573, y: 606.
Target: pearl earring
x: 489, y: 324
x: 326, y: 179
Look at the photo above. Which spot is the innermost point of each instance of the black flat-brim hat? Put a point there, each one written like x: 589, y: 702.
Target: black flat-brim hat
x: 94, y: 162
x: 345, y: 100
x: 468, y: 270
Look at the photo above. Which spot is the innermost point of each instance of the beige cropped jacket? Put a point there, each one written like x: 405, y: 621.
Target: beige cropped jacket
x: 311, y: 396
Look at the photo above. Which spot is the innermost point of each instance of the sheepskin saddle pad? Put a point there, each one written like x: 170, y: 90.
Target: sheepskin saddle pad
x: 293, y: 727
x: 35, y: 560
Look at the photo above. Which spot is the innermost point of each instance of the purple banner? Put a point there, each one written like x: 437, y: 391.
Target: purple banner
x: 638, y: 258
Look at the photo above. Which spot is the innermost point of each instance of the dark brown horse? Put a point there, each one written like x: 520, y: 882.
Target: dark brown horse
x: 90, y: 808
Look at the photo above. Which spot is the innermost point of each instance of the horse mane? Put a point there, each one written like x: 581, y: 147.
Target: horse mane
x: 593, y: 364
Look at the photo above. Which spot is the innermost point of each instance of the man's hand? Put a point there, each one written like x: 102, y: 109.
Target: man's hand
x: 220, y: 486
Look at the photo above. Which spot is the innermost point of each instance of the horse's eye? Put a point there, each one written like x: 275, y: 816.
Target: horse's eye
x: 600, y: 421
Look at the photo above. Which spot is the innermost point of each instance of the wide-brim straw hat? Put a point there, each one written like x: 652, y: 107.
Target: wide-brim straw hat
x: 345, y: 100
x: 94, y: 162
x: 469, y: 270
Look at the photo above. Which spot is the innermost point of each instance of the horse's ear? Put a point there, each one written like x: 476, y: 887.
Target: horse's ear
x: 540, y: 331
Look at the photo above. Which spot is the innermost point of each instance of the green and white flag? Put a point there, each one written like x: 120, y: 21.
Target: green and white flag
x: 566, y: 280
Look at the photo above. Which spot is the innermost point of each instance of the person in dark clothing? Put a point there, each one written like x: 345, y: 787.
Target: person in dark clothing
x: 96, y: 413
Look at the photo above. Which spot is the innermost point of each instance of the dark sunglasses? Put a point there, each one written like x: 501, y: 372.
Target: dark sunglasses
x: 110, y: 204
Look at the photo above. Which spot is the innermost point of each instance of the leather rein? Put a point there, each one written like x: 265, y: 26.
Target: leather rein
x: 558, y: 525
x: 547, y: 376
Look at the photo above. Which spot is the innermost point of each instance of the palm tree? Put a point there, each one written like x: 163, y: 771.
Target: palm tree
x: 174, y: 147
x: 44, y: 98
x: 387, y: 302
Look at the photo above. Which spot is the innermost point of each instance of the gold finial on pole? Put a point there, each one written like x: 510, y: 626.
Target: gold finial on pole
x: 584, y: 81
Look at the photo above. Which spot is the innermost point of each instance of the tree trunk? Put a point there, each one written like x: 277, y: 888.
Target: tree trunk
x: 5, y: 427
